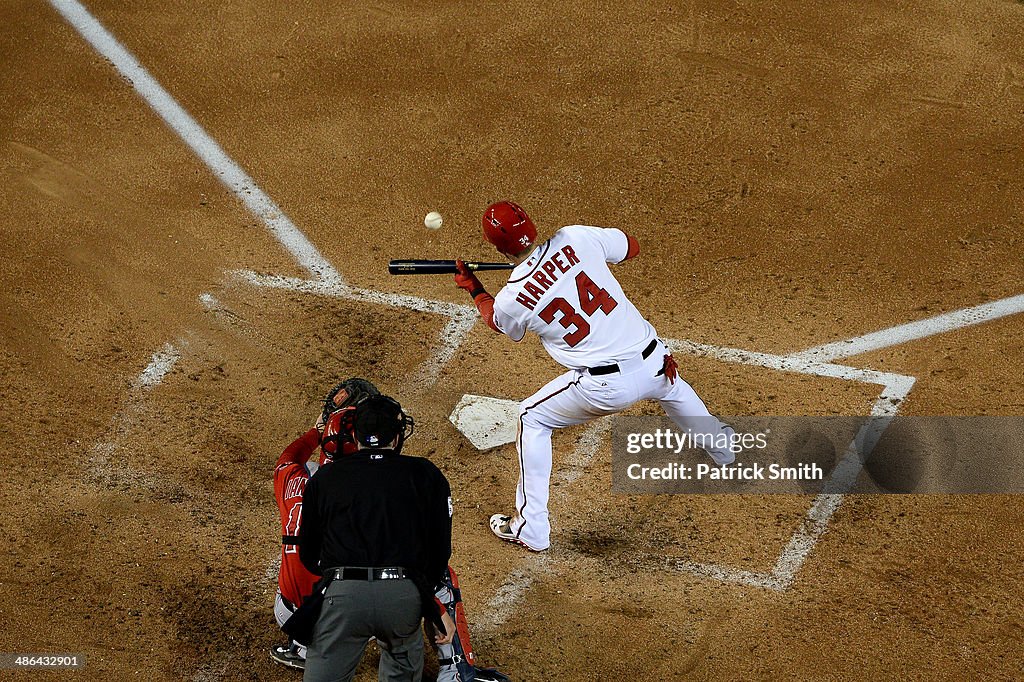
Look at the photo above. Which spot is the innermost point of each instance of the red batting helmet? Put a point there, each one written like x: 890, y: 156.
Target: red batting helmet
x: 507, y: 226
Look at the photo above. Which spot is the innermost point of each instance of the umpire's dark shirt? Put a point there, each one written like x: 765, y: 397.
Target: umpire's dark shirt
x: 377, y: 509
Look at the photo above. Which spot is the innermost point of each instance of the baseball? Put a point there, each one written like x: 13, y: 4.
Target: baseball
x: 433, y: 220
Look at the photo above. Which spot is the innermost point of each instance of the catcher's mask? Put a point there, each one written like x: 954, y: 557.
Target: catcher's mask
x: 379, y: 420
x: 337, y: 432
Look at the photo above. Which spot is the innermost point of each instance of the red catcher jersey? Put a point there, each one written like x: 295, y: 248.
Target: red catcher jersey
x: 566, y: 294
x: 290, y: 477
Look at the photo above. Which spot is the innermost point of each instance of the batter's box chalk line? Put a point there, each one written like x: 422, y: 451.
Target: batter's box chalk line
x: 461, y: 318
x: 489, y: 422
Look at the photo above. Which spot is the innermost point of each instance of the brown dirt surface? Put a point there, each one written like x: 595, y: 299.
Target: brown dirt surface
x: 796, y: 173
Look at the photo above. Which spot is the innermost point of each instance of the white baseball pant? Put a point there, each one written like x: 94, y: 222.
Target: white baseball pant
x: 577, y: 397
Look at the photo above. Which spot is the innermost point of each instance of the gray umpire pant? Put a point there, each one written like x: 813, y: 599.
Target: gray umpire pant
x: 354, y: 611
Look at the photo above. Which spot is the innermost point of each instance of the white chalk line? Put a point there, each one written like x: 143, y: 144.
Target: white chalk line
x: 338, y: 290
x: 913, y: 331
x: 815, y: 521
x: 511, y: 592
x: 896, y: 387
x: 198, y: 140
x: 452, y: 336
x: 159, y: 366
x: 782, y: 363
x: 101, y: 461
x: 895, y: 392
x: 791, y: 558
x: 841, y: 481
x: 723, y: 574
x: 578, y: 461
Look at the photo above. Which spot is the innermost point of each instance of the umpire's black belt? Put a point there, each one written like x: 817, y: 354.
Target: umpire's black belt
x: 611, y: 369
x: 354, y: 573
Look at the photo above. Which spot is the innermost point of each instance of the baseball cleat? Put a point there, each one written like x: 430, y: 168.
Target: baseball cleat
x: 501, y: 525
x: 287, y: 655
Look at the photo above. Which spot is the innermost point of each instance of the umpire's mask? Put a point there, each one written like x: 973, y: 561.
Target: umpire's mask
x: 379, y: 420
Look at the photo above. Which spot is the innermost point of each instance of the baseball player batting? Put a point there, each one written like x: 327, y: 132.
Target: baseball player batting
x: 563, y: 291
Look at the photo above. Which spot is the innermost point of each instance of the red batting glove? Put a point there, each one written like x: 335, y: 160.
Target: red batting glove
x: 670, y: 369
x: 464, y: 279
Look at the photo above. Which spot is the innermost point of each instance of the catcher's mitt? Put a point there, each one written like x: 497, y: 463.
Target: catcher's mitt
x: 356, y: 390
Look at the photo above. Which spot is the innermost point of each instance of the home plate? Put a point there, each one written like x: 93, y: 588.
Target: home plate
x: 486, y: 422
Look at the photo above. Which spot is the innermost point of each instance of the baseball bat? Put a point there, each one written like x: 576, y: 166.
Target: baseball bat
x: 439, y: 267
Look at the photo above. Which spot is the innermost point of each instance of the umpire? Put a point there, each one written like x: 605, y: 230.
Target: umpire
x: 379, y: 523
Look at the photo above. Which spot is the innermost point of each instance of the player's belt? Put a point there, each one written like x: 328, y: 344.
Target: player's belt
x: 352, y: 573
x: 611, y: 369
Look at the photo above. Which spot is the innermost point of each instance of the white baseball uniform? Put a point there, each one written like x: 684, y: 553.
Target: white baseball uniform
x: 566, y: 294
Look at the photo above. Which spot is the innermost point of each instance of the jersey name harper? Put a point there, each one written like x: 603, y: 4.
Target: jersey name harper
x: 566, y: 294
x: 545, y: 276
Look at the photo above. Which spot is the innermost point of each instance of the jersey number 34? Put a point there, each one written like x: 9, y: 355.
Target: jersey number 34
x: 592, y: 299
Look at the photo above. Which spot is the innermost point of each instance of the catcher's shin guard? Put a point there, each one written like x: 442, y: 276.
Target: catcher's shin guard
x: 457, y: 662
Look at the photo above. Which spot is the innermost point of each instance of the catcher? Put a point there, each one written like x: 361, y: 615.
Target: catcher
x: 291, y: 473
x: 333, y: 432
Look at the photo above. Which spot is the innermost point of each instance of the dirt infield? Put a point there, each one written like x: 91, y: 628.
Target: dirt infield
x: 795, y: 174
